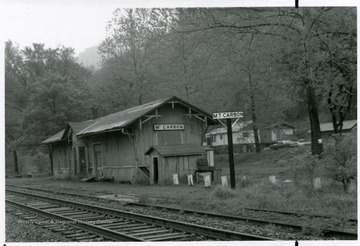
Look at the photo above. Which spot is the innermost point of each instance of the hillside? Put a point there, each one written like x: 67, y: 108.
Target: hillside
x: 90, y: 57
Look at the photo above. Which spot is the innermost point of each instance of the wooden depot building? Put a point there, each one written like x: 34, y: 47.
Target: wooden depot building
x: 149, y: 142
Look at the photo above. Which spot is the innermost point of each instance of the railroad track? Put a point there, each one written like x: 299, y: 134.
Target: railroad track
x: 83, y: 222
x: 354, y: 221
x: 327, y: 232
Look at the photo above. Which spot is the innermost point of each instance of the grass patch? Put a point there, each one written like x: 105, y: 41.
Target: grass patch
x: 265, y: 163
x: 259, y: 193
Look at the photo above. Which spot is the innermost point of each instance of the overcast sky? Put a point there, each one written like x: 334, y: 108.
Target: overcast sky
x: 81, y: 23
x: 77, y: 24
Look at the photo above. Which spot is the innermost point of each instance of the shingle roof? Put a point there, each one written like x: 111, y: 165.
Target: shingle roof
x: 55, y: 138
x: 177, y: 149
x: 347, y: 125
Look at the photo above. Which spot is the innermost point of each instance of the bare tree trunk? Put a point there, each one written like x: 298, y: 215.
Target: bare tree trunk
x: 252, y: 98
x: 16, y: 163
x: 316, y: 146
x: 253, y: 115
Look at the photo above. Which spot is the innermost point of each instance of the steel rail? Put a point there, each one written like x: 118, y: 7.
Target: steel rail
x: 301, y: 214
x: 103, y: 232
x: 330, y: 232
x: 183, y: 226
x: 54, y: 192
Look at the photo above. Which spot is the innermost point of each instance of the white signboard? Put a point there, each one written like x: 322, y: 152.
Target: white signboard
x: 169, y: 127
x: 228, y: 115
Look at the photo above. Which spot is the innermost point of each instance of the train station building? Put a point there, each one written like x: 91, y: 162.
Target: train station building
x: 147, y: 143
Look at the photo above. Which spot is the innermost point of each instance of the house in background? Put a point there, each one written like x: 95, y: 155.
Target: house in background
x: 242, y: 135
x: 327, y: 129
x: 117, y: 145
x: 277, y: 132
x: 244, y: 138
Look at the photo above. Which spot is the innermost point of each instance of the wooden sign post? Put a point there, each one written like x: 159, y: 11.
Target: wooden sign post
x: 231, y: 154
x: 228, y: 116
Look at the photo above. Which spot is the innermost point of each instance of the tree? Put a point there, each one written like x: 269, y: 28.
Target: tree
x: 337, y: 67
x: 237, y: 29
x: 130, y: 37
x: 16, y: 96
x: 44, y: 89
x: 54, y: 101
x: 303, y: 57
x: 204, y: 53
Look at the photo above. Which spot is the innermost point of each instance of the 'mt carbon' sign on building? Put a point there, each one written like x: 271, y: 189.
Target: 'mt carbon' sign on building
x: 169, y: 127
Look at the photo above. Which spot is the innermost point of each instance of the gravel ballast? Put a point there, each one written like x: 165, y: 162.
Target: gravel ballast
x: 20, y: 230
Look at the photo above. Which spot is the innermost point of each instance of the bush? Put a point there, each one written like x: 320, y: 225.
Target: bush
x: 307, y: 165
x: 223, y: 192
x: 340, y: 159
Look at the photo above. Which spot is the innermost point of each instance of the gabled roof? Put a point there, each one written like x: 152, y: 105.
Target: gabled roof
x: 177, y: 150
x: 279, y: 124
x: 126, y: 117
x: 60, y: 136
x: 120, y: 120
x: 79, y: 126
x: 347, y: 125
x: 55, y: 138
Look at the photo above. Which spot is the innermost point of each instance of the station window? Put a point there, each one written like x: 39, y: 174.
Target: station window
x: 221, y: 136
x: 245, y: 134
x: 213, y: 138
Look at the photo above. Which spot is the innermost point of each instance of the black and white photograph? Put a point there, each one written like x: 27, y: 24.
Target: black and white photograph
x: 179, y: 122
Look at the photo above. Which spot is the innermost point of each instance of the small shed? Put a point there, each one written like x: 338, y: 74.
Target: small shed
x: 178, y: 159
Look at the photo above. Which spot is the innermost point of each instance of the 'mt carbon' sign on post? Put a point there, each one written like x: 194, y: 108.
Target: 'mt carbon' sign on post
x: 228, y: 115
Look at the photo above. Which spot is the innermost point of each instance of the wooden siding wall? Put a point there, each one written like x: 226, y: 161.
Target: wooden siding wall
x: 181, y: 165
x: 117, y: 156
x: 119, y: 152
x: 168, y: 166
x: 147, y: 137
x: 61, y: 161
x: 119, y: 160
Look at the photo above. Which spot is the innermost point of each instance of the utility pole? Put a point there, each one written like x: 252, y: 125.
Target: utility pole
x: 231, y: 154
